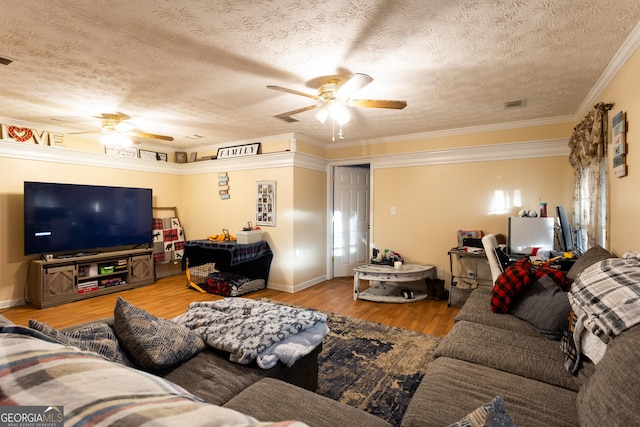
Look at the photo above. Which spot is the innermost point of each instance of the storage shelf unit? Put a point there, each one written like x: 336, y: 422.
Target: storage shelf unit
x: 63, y: 280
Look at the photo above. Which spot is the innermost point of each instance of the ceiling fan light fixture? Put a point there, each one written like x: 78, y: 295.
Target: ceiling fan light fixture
x: 116, y: 139
x: 339, y: 113
x: 125, y: 127
x: 322, y: 115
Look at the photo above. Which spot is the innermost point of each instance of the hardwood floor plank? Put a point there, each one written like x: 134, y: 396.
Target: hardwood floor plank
x: 169, y: 297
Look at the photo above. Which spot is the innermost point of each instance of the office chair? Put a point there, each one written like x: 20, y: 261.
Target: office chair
x: 494, y: 255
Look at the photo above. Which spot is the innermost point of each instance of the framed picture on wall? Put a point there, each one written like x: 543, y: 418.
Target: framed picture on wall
x: 265, y: 203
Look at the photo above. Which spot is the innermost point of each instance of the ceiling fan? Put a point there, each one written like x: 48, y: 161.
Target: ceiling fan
x: 334, y: 96
x: 116, y: 130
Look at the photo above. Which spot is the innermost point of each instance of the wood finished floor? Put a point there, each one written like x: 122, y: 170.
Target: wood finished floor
x: 169, y: 297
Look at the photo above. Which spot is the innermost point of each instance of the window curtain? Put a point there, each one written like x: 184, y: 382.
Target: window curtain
x: 588, y: 151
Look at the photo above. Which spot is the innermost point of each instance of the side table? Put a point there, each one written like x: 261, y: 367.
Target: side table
x: 387, y: 273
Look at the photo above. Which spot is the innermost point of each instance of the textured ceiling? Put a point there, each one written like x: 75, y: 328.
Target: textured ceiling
x: 201, y: 67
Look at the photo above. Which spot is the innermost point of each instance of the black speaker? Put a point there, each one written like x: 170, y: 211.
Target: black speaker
x: 407, y: 294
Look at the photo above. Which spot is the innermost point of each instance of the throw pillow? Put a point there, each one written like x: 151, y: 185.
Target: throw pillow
x: 150, y: 342
x: 490, y: 414
x: 587, y: 259
x: 97, y: 337
x: 558, y: 276
x: 545, y: 306
x: 509, y: 284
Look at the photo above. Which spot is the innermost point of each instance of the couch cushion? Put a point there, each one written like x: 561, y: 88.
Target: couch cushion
x: 150, y: 342
x: 545, y: 306
x: 213, y: 377
x: 278, y: 400
x: 587, y: 259
x: 537, y: 358
x: 477, y: 310
x: 98, y: 337
x: 610, y: 396
x: 452, y: 388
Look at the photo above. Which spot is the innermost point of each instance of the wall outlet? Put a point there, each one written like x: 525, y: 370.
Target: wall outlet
x: 440, y: 272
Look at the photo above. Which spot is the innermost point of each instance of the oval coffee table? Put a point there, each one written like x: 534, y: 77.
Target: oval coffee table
x: 388, y: 276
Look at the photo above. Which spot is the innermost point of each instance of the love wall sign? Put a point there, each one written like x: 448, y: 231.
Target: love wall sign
x: 22, y: 134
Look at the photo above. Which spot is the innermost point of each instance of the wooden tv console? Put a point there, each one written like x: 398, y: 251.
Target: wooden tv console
x: 63, y: 280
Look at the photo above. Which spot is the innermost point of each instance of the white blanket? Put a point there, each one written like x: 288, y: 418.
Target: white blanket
x: 255, y: 330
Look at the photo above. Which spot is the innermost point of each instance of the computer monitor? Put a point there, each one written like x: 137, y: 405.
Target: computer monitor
x: 526, y: 233
x: 566, y: 233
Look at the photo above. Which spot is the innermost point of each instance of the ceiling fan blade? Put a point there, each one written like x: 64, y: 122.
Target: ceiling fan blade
x: 378, y: 103
x: 80, y: 133
x: 295, y: 92
x: 299, y: 110
x: 354, y: 84
x: 140, y: 134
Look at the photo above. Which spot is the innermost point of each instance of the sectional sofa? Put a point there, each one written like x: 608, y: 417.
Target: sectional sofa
x: 489, y: 354
x: 491, y: 369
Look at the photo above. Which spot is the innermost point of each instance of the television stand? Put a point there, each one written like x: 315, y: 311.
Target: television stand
x: 62, y: 280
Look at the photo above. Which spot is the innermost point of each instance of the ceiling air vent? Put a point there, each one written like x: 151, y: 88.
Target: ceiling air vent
x: 288, y: 119
x: 5, y: 61
x: 514, y: 104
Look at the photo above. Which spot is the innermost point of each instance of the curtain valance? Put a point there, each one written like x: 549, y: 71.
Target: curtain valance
x: 588, y: 141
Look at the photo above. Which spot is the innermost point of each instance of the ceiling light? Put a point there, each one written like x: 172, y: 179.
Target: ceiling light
x: 125, y: 127
x: 115, y: 138
x: 322, y: 115
x: 339, y: 113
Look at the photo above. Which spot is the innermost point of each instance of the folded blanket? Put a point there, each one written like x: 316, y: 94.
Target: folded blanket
x: 605, y: 299
x: 608, y: 293
x: 256, y: 330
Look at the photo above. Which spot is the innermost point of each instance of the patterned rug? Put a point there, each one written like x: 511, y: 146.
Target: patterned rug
x: 373, y: 367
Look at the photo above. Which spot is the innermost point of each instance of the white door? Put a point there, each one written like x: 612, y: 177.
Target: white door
x: 350, y: 219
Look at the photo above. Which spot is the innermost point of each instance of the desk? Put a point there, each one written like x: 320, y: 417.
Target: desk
x: 252, y: 260
x: 457, y: 276
x: 387, y: 273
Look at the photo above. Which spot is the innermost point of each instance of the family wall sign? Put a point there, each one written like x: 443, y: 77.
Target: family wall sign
x: 29, y: 135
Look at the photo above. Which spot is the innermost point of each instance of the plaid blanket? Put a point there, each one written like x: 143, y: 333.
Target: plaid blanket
x: 168, y: 240
x: 608, y: 293
x: 88, y: 390
x: 238, y: 253
x: 606, y: 300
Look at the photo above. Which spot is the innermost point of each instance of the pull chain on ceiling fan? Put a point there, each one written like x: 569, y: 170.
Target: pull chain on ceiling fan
x: 334, y: 98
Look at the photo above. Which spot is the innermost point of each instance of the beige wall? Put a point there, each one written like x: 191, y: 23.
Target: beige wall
x: 206, y: 214
x: 310, y: 226
x: 624, y: 204
x: 433, y: 202
x: 167, y: 191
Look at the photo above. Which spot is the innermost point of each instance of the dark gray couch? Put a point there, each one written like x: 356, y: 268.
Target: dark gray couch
x: 488, y: 354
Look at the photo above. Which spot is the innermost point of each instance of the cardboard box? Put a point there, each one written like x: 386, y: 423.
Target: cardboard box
x: 246, y: 237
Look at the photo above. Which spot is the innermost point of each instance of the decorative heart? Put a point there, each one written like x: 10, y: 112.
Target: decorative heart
x: 20, y: 134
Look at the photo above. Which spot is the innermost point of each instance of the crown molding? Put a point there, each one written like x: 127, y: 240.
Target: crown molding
x: 54, y: 154
x: 621, y: 57
x: 458, y: 131
x: 484, y: 153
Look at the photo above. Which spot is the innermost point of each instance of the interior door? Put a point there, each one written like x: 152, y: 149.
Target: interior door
x: 350, y: 218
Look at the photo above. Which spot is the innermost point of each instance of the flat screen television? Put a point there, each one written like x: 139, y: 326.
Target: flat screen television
x: 73, y: 218
x: 566, y: 233
x: 525, y: 234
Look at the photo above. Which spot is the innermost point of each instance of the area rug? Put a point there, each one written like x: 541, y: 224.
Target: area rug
x: 374, y: 367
